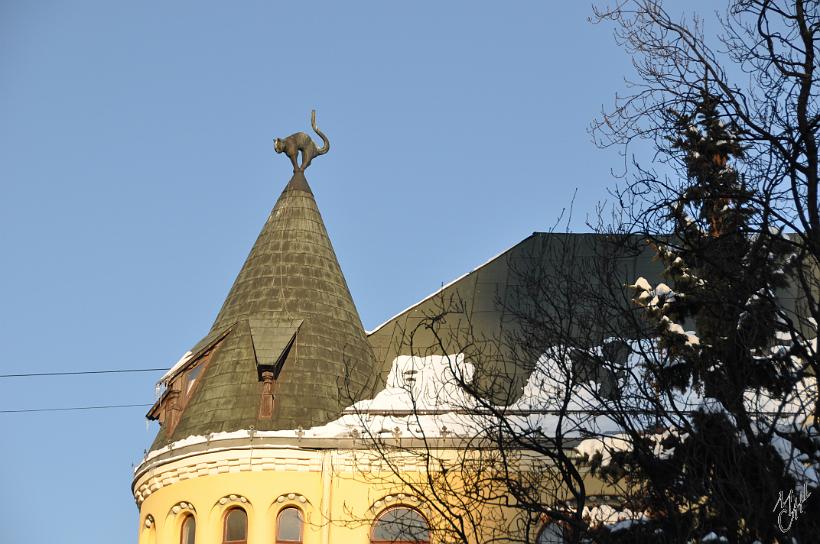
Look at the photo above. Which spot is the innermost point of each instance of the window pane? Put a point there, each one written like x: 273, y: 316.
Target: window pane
x: 236, y: 525
x: 193, y: 374
x: 188, y: 530
x: 552, y: 534
x: 401, y: 525
x: 289, y: 525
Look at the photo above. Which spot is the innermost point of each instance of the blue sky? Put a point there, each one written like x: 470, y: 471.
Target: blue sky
x: 136, y: 169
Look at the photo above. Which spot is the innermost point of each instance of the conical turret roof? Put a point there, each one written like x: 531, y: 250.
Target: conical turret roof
x: 289, y: 314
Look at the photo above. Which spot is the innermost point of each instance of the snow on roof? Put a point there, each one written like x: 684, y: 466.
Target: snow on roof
x: 424, y: 383
x: 616, y: 520
x: 713, y: 537
x: 424, y: 398
x: 605, y: 445
x: 173, y: 370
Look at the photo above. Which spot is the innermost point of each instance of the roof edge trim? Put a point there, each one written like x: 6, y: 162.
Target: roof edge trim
x: 186, y: 359
x: 450, y: 284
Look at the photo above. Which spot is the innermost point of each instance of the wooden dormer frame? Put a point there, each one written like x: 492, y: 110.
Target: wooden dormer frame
x: 169, y: 407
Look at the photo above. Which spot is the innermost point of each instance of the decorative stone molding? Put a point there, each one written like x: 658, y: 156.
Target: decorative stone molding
x: 222, y: 462
x: 390, y: 500
x: 183, y: 507
x: 149, y: 521
x: 231, y: 498
x: 267, y: 460
x: 294, y: 497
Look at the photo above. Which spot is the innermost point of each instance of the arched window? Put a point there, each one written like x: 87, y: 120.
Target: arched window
x: 400, y: 525
x: 289, y: 526
x: 551, y: 534
x: 188, y: 532
x: 236, y: 527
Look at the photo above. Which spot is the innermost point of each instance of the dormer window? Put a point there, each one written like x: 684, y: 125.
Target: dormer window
x: 272, y: 344
x: 180, y: 384
x: 191, y: 377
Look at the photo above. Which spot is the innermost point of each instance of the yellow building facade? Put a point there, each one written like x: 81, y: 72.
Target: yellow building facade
x: 257, y: 441
x: 323, y: 485
x: 339, y: 495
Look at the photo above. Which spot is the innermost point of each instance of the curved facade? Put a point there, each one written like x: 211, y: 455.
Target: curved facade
x: 255, y: 445
x: 286, y: 352
x: 332, y: 488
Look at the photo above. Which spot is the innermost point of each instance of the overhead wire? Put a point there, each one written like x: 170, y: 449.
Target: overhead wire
x: 78, y: 373
x: 74, y: 408
x: 81, y: 372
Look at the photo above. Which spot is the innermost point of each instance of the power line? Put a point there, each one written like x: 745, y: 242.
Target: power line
x: 81, y: 372
x: 75, y: 408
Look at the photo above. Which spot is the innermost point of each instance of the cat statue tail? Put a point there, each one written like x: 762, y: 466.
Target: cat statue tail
x: 326, y: 147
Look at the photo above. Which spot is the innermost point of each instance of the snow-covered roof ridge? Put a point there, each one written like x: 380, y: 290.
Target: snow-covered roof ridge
x: 176, y: 367
x: 201, y: 347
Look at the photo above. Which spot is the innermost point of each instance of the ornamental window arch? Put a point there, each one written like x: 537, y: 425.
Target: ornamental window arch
x: 231, y: 518
x: 181, y: 521
x: 290, y: 515
x: 290, y: 525
x: 235, y: 525
x: 148, y: 534
x: 400, y: 524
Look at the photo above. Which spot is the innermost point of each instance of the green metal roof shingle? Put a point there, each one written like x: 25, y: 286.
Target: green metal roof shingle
x: 290, y: 281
